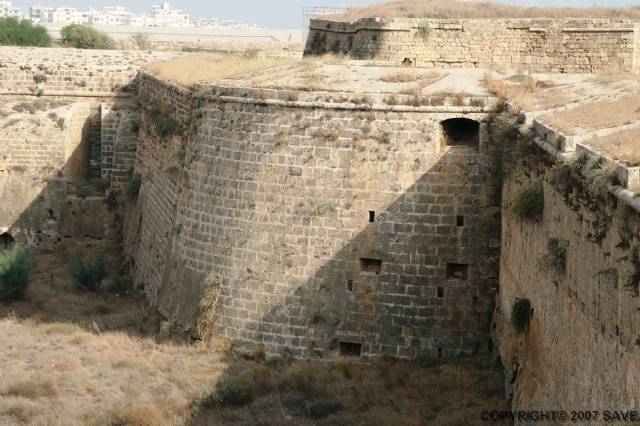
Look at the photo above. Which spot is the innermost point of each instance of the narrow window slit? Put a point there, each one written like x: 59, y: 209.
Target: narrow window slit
x: 349, y: 349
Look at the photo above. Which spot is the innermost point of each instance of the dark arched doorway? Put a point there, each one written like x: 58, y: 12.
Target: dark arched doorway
x: 461, y: 132
x: 6, y: 241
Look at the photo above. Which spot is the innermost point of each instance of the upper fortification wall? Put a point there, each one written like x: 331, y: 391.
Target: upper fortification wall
x: 539, y: 45
x: 71, y: 72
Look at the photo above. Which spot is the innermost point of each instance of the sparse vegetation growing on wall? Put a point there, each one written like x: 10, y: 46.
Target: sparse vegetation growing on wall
x: 633, y: 282
x: 22, y: 33
x: 521, y: 315
x: 86, y: 37
x: 16, y: 272
x: 133, y: 187
x: 424, y: 30
x: 89, y: 273
x: 529, y: 204
x: 555, y: 259
x: 602, y: 175
x: 165, y: 125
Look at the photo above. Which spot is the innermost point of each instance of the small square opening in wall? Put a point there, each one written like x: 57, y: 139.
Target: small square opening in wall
x: 372, y: 216
x: 440, y: 292
x: 457, y: 271
x: 371, y: 265
x: 460, y: 220
x: 439, y: 352
x: 350, y: 285
x: 350, y: 349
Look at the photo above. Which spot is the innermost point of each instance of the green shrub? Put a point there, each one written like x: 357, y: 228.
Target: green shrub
x: 520, y: 315
x: 529, y: 204
x: 22, y: 33
x: 133, y: 187
x: 141, y: 40
x: 86, y: 37
x: 231, y: 391
x: 323, y: 407
x: 556, y: 257
x: 165, y: 124
x: 16, y: 272
x: 89, y: 273
x: 424, y: 30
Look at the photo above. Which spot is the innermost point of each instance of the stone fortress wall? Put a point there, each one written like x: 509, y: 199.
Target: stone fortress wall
x: 537, y: 45
x: 315, y: 230
x: 321, y: 229
x: 67, y: 116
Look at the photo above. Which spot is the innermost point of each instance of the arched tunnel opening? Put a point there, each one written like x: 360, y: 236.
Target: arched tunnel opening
x: 6, y: 241
x: 461, y: 132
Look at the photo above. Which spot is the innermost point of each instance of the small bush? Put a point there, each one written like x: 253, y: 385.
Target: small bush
x: 86, y: 37
x: 22, y: 33
x: 141, y: 41
x: 556, y: 257
x: 323, y: 407
x: 89, y: 273
x: 602, y: 175
x: 520, y: 315
x: 231, y: 391
x: 165, y: 124
x: 424, y: 30
x: 529, y: 204
x: 16, y: 273
x: 133, y: 187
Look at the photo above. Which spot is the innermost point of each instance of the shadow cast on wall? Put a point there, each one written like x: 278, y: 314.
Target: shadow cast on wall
x: 318, y: 245
x: 59, y: 200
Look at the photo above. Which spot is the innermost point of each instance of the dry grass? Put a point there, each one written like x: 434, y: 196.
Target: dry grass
x: 97, y: 380
x: 391, y: 392
x: 623, y: 146
x: 518, y: 91
x: 53, y: 298
x: 399, y: 78
x: 598, y: 115
x: 469, y: 9
x: 201, y: 67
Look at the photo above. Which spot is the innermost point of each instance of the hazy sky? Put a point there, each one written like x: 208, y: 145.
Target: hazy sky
x: 269, y: 13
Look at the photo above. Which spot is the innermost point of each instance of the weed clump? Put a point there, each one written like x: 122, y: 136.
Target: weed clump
x: 529, y: 204
x: 89, y: 273
x: 602, y: 175
x: 556, y: 257
x: 231, y: 391
x: 133, y: 187
x: 322, y: 408
x: 165, y: 125
x: 16, y: 273
x: 521, y: 315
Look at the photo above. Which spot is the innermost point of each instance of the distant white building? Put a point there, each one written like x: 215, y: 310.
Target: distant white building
x: 7, y: 10
x: 160, y: 16
x: 40, y: 14
x: 117, y: 15
x: 165, y: 16
x: 65, y: 15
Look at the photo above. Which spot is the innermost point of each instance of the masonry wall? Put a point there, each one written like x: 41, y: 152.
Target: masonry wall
x: 540, y: 45
x: 253, y: 222
x: 582, y: 349
x: 71, y: 72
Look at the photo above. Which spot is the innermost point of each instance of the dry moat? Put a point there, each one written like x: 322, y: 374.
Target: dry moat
x: 381, y: 232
